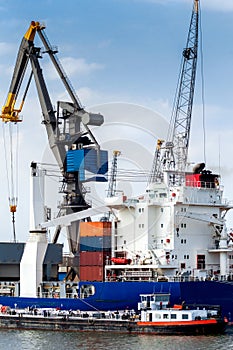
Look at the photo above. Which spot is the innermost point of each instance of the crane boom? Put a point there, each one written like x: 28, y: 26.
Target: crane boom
x: 9, y: 113
x: 180, y: 133
x: 175, y: 153
x: 57, y: 64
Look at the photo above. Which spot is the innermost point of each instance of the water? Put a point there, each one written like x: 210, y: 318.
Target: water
x: 40, y: 340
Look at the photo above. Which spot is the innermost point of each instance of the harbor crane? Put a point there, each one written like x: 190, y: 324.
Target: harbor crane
x: 173, y: 155
x: 70, y: 138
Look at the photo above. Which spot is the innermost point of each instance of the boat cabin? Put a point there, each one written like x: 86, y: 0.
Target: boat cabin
x: 154, y: 301
x: 156, y: 308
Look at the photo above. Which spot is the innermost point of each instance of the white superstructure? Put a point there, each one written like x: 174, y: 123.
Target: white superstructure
x: 173, y: 231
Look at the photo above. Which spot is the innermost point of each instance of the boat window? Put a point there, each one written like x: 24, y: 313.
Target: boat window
x: 162, y: 297
x: 165, y: 316
x: 185, y: 316
x: 157, y: 316
x: 173, y: 316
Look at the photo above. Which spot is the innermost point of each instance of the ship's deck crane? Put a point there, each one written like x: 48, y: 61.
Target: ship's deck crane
x: 112, y: 182
x: 67, y: 128
x: 113, y: 175
x: 175, y: 152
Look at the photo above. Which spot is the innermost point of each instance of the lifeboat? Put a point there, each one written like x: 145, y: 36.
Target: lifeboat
x: 121, y: 261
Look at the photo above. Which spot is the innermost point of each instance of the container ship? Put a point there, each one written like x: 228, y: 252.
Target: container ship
x: 171, y: 239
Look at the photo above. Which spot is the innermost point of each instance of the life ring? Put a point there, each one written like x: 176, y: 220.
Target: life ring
x: 4, y: 309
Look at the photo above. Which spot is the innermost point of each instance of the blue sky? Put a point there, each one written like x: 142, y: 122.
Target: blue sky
x: 126, y: 51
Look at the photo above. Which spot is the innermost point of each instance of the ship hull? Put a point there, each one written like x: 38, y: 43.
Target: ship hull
x: 101, y: 325
x: 126, y: 295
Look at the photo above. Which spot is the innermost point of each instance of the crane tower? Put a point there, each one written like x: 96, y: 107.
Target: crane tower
x: 175, y: 152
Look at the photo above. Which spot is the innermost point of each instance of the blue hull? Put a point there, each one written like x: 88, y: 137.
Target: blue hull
x: 122, y: 295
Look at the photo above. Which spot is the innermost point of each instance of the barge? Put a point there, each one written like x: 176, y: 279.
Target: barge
x: 154, y: 316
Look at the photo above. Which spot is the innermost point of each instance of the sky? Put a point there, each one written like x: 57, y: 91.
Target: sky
x: 123, y: 58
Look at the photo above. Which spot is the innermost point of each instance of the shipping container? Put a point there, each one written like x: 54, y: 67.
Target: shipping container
x: 94, y: 258
x: 95, y: 243
x: 87, y: 160
x: 97, y: 228
x: 91, y: 273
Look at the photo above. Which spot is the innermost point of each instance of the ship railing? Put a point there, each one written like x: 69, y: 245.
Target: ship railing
x: 139, y: 277
x: 202, y: 184
x: 220, y: 278
x: 55, y: 295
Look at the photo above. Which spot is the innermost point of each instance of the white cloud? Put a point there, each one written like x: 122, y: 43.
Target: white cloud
x: 79, y: 66
x: 73, y: 66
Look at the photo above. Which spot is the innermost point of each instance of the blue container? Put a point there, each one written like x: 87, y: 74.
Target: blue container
x: 95, y: 243
x: 87, y: 160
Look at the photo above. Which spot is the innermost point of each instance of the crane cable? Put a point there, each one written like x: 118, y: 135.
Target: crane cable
x: 12, y: 169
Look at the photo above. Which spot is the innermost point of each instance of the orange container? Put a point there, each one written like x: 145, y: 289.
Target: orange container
x: 91, y: 273
x: 94, y: 258
x: 96, y: 228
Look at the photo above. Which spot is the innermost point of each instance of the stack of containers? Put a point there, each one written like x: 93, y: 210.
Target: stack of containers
x: 95, y: 249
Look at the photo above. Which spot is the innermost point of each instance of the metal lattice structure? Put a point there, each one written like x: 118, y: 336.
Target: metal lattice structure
x: 176, y: 147
x: 113, y: 174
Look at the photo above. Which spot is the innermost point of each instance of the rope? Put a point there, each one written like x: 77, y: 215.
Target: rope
x: 17, y: 160
x: 11, y: 164
x: 6, y: 165
x: 11, y: 170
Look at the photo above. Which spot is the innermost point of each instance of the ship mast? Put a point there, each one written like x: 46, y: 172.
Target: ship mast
x: 175, y: 152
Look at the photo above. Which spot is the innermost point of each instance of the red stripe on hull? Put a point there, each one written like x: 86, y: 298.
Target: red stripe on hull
x: 178, y: 323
